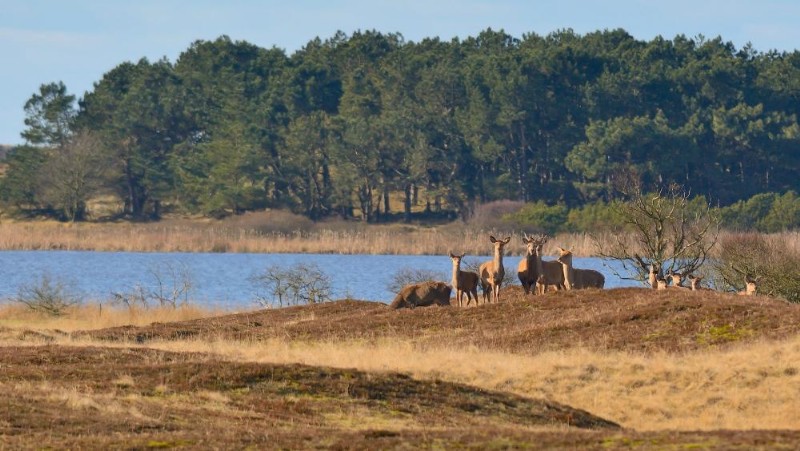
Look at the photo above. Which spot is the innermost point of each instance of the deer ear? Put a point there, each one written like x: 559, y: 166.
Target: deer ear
x: 505, y: 241
x: 451, y: 255
x: 492, y: 238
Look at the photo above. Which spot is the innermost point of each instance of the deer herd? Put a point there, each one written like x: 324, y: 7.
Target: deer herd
x: 536, y: 275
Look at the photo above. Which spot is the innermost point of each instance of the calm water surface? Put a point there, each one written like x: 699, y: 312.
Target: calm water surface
x: 224, y: 280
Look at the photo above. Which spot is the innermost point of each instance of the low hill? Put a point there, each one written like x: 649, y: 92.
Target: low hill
x: 629, y: 319
x: 129, y: 395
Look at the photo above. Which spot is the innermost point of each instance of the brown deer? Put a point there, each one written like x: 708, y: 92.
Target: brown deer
x: 422, y: 294
x: 527, y: 270
x: 550, y: 269
x: 464, y: 281
x: 652, y: 277
x: 694, y: 283
x: 578, y: 278
x: 661, y: 283
x: 492, y: 272
x: 750, y: 286
x: 677, y: 279
x: 540, y: 284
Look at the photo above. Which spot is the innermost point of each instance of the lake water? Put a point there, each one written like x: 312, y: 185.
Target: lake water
x: 225, y: 280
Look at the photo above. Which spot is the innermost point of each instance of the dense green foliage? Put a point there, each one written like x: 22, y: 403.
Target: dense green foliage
x: 338, y: 125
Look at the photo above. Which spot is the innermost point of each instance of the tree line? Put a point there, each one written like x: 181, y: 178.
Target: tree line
x: 347, y: 125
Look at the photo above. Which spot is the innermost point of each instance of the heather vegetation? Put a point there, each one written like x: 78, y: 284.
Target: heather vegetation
x: 374, y: 127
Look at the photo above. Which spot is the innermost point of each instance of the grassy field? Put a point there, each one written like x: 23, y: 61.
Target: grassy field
x: 604, y: 369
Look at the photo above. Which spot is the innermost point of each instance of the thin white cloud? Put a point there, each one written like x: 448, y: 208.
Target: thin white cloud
x: 21, y: 36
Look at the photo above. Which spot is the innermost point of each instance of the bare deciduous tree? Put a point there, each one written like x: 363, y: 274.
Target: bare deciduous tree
x: 73, y: 173
x: 298, y: 284
x: 665, y: 229
x: 170, y: 286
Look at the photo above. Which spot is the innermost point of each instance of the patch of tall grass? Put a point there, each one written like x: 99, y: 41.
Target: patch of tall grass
x: 281, y: 232
x: 98, y: 316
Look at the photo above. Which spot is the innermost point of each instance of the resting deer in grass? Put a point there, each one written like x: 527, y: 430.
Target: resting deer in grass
x: 578, y: 278
x: 529, y: 269
x: 422, y: 294
x: 492, y: 272
x: 676, y: 279
x: 750, y: 286
x: 661, y: 283
x: 464, y: 281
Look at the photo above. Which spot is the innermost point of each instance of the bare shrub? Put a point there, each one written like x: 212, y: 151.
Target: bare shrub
x: 669, y: 231
x: 170, y: 286
x: 751, y: 255
x: 295, y: 285
x: 408, y: 275
x: 48, y: 296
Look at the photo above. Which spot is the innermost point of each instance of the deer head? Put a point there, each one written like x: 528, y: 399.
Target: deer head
x: 694, y: 281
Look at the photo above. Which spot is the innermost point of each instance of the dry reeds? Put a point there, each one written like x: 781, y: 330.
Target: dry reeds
x: 99, y: 316
x: 281, y: 232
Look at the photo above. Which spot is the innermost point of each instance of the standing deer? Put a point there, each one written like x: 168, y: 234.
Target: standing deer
x: 492, y: 272
x: 750, y: 287
x: 694, y: 283
x: 550, y: 269
x: 528, y: 269
x: 464, y: 281
x: 575, y: 278
x: 652, y: 277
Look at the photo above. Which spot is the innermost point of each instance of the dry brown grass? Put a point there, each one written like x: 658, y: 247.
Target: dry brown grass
x: 269, y: 232
x: 673, y: 360
x: 97, y: 316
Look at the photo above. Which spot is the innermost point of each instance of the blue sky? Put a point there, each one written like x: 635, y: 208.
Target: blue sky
x: 77, y: 41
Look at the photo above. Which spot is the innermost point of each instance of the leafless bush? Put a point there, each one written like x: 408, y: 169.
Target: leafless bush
x: 775, y: 265
x: 170, y: 286
x: 669, y: 231
x: 51, y: 297
x: 299, y: 284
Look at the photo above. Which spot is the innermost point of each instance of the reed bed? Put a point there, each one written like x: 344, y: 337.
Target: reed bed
x: 324, y: 238
x: 186, y: 236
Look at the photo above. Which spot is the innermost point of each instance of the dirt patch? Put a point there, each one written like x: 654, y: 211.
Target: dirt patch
x: 628, y: 319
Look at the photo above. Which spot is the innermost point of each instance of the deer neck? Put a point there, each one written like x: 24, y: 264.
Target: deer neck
x: 456, y: 269
x: 498, y: 260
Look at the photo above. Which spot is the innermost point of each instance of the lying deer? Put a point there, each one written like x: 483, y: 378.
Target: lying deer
x: 464, y: 281
x: 422, y: 295
x: 750, y: 287
x: 694, y: 282
x: 676, y: 279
